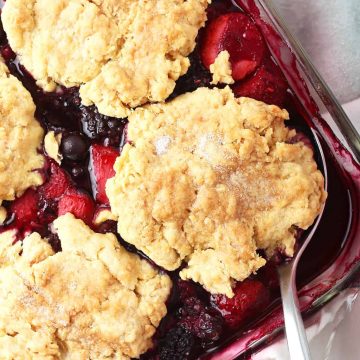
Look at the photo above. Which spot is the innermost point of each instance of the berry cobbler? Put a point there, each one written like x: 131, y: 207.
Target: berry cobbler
x: 149, y: 183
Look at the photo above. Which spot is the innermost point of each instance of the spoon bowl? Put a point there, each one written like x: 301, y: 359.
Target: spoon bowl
x: 294, y: 326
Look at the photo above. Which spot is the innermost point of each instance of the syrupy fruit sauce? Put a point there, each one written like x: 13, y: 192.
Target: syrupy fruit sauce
x: 198, y: 324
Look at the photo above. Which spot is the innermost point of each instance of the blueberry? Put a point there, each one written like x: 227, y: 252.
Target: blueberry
x: 114, y: 124
x: 74, y: 147
x: 77, y: 171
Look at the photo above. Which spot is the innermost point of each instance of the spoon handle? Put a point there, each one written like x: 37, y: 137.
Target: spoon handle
x: 294, y: 326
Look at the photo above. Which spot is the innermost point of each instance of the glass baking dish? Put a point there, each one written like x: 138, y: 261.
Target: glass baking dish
x: 323, y: 276
x: 333, y: 256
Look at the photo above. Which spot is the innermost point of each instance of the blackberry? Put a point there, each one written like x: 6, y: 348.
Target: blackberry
x: 58, y: 110
x: 203, y: 321
x: 250, y: 298
x: 54, y: 241
x: 3, y: 39
x: 197, y: 76
x: 176, y: 345
x: 101, y: 127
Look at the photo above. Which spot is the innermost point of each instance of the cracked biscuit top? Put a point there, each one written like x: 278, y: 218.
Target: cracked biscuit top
x: 122, y: 53
x: 92, y: 300
x: 20, y: 138
x: 208, y: 179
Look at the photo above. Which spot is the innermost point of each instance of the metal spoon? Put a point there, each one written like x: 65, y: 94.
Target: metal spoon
x: 294, y: 326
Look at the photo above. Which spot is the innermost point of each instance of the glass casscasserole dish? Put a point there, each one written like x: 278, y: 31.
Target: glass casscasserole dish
x: 277, y: 72
x: 333, y: 256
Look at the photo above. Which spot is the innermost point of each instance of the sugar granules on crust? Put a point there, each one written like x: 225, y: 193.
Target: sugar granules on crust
x: 122, y: 53
x: 92, y: 300
x: 227, y: 183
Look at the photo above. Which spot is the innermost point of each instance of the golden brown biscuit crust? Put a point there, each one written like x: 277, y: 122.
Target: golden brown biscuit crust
x: 208, y: 179
x: 92, y: 300
x: 122, y: 53
x: 20, y: 138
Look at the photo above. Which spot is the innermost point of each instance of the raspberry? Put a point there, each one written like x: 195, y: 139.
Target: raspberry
x: 250, y: 297
x: 79, y: 204
x: 25, y: 208
x: 58, y: 183
x: 186, y: 290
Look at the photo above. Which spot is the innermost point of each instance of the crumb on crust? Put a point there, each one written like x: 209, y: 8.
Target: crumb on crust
x: 221, y: 69
x: 21, y: 137
x: 125, y: 52
x: 92, y: 300
x: 208, y: 180
x: 52, y: 145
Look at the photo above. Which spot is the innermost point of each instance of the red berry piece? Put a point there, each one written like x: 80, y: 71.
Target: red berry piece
x: 7, y: 53
x: 250, y: 297
x: 25, y: 208
x: 267, y: 85
x: 268, y: 275
x: 58, y: 183
x: 187, y: 289
x: 236, y: 33
x: 102, y: 163
x: 79, y: 204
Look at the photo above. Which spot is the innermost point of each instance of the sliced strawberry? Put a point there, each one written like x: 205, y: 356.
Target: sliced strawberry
x: 58, y: 183
x: 102, y: 164
x: 25, y: 208
x: 267, y: 85
x: 236, y: 33
x: 79, y: 204
x: 250, y: 297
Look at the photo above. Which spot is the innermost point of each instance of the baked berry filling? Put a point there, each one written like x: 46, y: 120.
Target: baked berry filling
x: 237, y: 34
x: 90, y: 144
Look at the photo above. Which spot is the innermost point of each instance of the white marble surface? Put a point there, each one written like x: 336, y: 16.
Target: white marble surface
x: 330, y: 32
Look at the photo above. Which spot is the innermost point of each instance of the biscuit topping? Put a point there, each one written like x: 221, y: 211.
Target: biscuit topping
x: 92, y: 300
x: 122, y: 53
x: 20, y: 138
x: 208, y: 180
